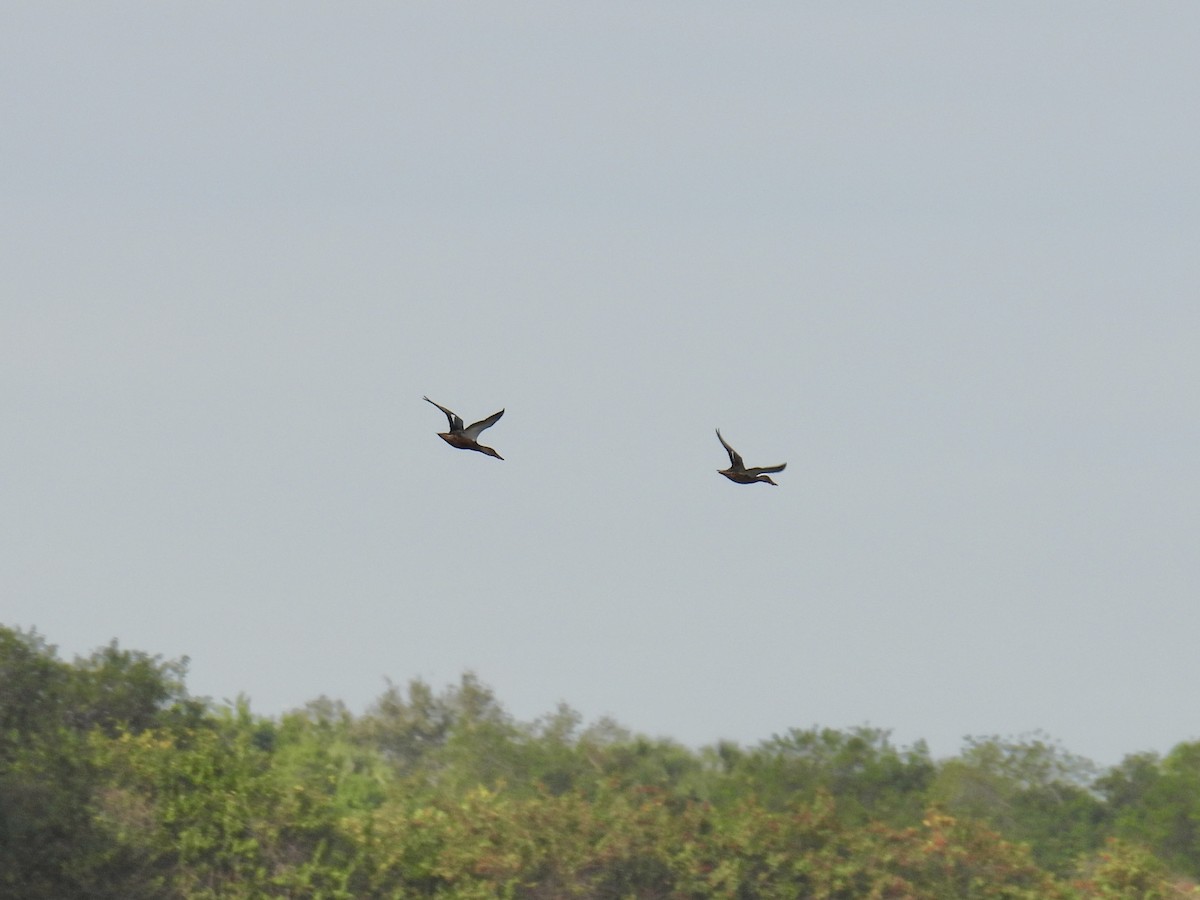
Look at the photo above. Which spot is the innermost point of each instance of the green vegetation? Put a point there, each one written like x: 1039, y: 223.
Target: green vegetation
x: 114, y: 782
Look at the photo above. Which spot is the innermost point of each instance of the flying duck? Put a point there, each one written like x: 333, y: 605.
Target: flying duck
x: 737, y: 470
x: 467, y: 438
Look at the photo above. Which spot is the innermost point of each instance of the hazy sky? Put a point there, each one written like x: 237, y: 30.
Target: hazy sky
x: 942, y: 259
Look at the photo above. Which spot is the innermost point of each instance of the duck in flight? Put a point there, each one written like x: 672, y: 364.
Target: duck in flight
x: 467, y: 438
x: 737, y: 470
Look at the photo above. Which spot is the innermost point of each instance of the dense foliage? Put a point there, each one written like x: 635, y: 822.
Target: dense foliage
x: 114, y: 782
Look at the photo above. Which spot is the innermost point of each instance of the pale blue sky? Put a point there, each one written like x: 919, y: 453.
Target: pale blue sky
x: 940, y: 259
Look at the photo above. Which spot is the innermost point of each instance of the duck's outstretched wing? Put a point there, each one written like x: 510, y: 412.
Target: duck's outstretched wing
x: 758, y: 470
x: 456, y: 424
x: 475, y: 428
x: 735, y: 458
